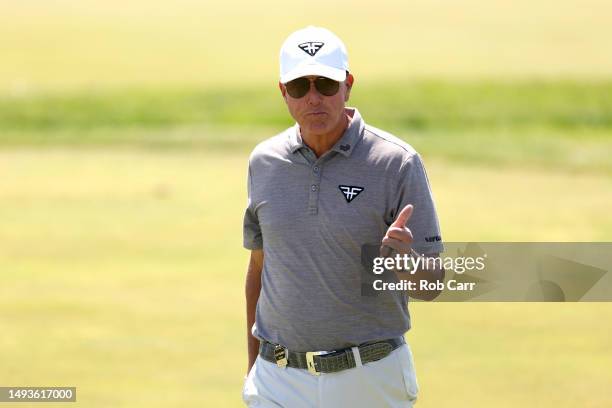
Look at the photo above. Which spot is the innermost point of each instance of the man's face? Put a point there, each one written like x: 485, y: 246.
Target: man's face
x: 316, y: 113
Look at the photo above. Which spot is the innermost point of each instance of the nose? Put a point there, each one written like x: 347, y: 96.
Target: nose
x: 313, y: 97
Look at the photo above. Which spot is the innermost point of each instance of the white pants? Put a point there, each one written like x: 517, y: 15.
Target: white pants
x: 389, y: 382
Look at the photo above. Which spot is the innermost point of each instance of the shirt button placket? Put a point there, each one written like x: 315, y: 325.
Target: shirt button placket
x: 315, y: 186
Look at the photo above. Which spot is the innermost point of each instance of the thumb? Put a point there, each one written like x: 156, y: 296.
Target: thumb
x: 403, y: 217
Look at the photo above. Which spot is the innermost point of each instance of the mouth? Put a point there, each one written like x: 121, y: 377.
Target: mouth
x: 316, y: 114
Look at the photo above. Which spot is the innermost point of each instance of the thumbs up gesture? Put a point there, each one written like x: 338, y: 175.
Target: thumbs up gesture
x: 398, y: 236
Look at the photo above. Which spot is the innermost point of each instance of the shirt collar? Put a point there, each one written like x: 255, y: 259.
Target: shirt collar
x: 345, y: 145
x: 295, y: 139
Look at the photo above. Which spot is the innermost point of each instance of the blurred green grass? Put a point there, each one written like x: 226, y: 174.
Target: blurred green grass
x: 419, y: 105
x: 123, y: 273
x: 563, y: 124
x: 124, y: 135
x: 121, y: 237
x: 97, y: 43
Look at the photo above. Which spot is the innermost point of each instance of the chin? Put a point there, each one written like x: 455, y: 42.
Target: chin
x: 319, y: 129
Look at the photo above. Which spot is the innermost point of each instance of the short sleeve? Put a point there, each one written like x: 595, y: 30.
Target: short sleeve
x: 251, y: 231
x: 413, y: 188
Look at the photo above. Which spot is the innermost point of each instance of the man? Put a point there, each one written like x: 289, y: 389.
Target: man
x: 321, y: 194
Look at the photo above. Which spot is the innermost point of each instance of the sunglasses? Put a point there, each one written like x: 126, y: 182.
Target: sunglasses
x: 300, y: 86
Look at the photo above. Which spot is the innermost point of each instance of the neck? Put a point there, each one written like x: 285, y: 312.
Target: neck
x: 322, y: 143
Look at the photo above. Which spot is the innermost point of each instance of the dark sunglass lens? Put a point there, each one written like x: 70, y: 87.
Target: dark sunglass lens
x: 326, y: 86
x: 298, y: 87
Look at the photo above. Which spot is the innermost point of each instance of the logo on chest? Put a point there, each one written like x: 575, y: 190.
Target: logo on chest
x: 350, y: 192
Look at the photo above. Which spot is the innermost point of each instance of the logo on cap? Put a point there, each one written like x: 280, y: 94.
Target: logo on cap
x: 311, y: 47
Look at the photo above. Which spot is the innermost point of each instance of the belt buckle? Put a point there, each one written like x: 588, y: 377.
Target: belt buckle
x: 281, y: 355
x: 312, y: 369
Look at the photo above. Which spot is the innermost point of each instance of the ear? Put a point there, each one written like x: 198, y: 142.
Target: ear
x: 350, y: 79
x: 283, y: 90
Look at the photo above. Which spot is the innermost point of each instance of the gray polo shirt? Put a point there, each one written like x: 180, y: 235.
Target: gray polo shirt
x: 313, y: 217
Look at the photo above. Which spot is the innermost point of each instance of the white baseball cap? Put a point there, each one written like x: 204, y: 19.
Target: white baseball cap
x: 313, y: 51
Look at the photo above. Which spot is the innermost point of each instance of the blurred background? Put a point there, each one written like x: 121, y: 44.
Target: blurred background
x: 125, y: 129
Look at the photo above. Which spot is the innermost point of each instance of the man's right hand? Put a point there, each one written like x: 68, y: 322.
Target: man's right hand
x: 252, y: 290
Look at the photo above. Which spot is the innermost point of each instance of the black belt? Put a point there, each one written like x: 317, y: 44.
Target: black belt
x: 317, y: 362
